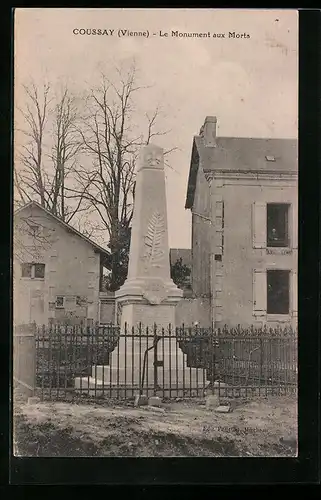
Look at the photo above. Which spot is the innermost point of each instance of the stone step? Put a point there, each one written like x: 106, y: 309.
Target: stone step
x: 195, y: 377
x: 94, y: 385
x: 103, y: 372
x: 130, y: 359
x: 180, y: 377
x: 137, y: 344
x: 96, y: 388
x: 100, y: 371
x: 122, y: 375
x: 170, y: 361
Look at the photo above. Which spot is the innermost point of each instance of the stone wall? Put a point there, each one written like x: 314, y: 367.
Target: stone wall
x: 201, y: 237
x: 107, y: 308
x: 189, y: 310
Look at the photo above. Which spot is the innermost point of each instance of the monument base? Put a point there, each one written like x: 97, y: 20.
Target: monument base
x: 147, y: 315
x: 136, y: 366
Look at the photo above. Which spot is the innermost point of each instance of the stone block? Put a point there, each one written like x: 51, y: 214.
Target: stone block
x: 224, y: 409
x: 155, y: 401
x: 154, y: 408
x: 88, y: 385
x: 212, y: 401
x: 141, y: 400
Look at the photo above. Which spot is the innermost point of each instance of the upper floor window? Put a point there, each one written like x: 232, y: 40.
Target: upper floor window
x: 29, y: 270
x: 277, y: 225
x: 274, y: 225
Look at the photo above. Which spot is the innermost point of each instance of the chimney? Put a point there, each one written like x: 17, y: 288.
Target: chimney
x: 209, y: 131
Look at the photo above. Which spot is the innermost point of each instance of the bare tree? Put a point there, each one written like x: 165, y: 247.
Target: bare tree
x: 64, y: 155
x: 29, y: 180
x: 111, y: 142
x: 47, y: 158
x: 107, y: 142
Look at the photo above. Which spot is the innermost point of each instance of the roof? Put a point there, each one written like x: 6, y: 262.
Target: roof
x: 184, y: 253
x: 69, y: 228
x: 241, y: 154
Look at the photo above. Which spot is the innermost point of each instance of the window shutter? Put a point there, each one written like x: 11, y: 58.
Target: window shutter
x: 294, y: 294
x: 295, y: 222
x: 259, y: 292
x: 259, y: 224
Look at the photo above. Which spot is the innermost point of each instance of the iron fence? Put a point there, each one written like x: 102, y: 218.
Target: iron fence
x: 109, y: 362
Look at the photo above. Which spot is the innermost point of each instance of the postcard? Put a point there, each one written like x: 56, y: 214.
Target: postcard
x: 155, y: 232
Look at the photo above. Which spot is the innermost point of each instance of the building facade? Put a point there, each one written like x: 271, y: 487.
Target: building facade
x: 243, y: 196
x: 57, y: 272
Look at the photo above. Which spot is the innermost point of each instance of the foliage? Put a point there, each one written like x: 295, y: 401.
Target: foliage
x: 180, y: 273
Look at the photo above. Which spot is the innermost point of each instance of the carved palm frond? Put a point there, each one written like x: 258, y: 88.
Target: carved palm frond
x: 153, y: 239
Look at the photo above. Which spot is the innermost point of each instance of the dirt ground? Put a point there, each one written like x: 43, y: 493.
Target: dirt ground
x: 264, y: 427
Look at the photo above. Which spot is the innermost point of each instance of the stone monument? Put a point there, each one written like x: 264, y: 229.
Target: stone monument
x: 148, y: 282
x: 149, y: 295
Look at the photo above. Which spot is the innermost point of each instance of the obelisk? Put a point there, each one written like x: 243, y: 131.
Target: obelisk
x: 148, y: 296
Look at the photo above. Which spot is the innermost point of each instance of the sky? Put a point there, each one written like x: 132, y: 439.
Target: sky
x: 249, y: 83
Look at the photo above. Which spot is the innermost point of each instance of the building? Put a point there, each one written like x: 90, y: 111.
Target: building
x: 57, y: 272
x: 242, y: 193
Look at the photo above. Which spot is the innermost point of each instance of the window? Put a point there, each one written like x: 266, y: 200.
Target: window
x: 39, y: 270
x: 33, y: 271
x: 277, y: 225
x: 278, y: 291
x: 60, y: 302
x: 26, y: 270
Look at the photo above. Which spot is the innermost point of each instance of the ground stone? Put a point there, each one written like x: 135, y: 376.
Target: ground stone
x: 141, y: 400
x: 224, y: 409
x: 212, y: 401
x: 155, y: 401
x: 155, y: 408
